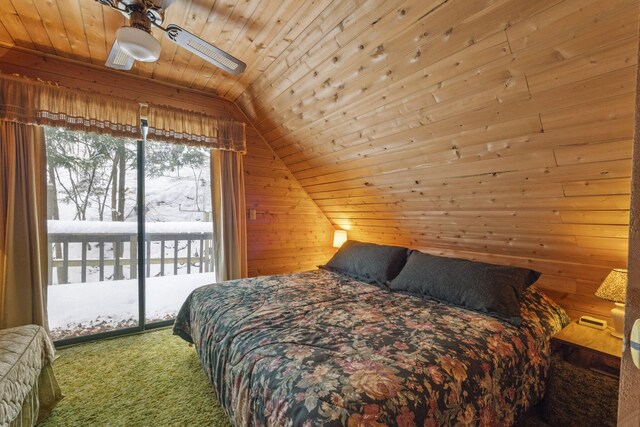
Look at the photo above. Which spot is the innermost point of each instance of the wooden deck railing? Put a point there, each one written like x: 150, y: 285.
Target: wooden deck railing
x: 198, y: 245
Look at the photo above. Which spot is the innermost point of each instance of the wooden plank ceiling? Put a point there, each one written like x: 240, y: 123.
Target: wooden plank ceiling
x: 255, y: 31
x: 492, y: 129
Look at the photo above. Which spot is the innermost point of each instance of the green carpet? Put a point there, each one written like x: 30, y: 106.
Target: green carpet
x: 150, y: 379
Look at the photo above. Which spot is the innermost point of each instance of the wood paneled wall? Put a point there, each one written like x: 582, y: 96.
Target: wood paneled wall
x: 289, y: 234
x: 497, y: 130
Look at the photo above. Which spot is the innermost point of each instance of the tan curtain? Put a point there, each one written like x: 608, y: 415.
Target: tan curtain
x: 23, y: 226
x: 35, y: 102
x: 230, y: 222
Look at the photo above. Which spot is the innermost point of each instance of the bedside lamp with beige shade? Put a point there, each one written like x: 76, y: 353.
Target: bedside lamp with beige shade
x: 339, y: 237
x: 614, y: 288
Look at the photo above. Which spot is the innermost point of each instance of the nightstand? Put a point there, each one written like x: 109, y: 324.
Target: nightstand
x: 589, y: 348
x: 582, y: 387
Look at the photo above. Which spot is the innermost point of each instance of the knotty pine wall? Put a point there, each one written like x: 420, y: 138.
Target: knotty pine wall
x: 497, y: 130
x: 289, y: 234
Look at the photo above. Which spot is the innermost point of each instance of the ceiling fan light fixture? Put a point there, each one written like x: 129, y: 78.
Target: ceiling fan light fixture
x: 139, y: 44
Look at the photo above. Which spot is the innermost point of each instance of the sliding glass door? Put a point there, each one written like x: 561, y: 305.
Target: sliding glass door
x: 178, y: 226
x: 109, y: 200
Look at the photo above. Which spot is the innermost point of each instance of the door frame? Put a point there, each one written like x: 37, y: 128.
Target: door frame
x: 629, y: 392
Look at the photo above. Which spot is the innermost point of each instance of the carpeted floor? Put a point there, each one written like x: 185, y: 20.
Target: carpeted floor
x: 150, y: 379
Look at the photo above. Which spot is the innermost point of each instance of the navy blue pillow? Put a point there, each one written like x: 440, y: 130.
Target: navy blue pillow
x: 492, y: 289
x: 368, y: 262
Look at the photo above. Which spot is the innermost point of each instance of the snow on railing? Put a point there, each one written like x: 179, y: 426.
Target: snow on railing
x: 73, y: 244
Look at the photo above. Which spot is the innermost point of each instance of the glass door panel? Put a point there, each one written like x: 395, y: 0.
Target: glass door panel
x: 92, y: 230
x: 178, y: 226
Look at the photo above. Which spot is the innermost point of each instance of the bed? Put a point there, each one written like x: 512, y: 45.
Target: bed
x: 28, y: 388
x: 322, y: 348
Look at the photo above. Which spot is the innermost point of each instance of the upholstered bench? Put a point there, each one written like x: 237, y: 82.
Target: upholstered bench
x: 28, y: 388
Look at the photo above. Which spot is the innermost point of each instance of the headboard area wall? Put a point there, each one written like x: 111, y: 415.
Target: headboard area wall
x: 289, y: 233
x: 498, y: 130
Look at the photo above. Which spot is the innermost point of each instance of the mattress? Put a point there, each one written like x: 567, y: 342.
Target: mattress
x: 320, y: 348
x: 28, y: 389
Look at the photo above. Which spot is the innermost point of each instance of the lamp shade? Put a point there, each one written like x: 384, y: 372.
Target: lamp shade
x: 139, y: 44
x: 614, y: 286
x: 339, y: 237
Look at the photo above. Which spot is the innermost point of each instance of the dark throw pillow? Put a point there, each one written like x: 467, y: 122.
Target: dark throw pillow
x: 368, y: 262
x: 487, y: 288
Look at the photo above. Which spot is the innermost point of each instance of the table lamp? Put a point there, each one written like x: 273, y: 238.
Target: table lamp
x: 614, y: 288
x: 339, y: 237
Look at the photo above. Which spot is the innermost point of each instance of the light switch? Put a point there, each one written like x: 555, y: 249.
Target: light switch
x: 252, y: 214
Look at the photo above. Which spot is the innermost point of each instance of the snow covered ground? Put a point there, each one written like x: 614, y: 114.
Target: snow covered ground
x: 84, y: 308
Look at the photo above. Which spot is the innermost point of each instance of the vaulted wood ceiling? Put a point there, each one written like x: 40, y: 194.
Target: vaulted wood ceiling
x: 256, y: 31
x: 493, y: 129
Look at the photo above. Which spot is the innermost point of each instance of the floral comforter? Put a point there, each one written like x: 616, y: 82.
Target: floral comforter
x: 319, y: 348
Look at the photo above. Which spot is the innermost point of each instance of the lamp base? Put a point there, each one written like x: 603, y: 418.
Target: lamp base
x: 617, y: 314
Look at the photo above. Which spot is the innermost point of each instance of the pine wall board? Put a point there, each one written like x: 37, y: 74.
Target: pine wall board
x: 290, y: 233
x: 492, y: 130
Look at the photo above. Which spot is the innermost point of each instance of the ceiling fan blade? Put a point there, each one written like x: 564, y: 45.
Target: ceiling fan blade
x: 119, y: 59
x: 116, y: 5
x: 205, y: 50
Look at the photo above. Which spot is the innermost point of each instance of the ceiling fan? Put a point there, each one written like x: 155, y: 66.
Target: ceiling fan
x: 136, y: 43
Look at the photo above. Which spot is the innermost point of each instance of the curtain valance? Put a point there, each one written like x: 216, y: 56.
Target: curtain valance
x: 35, y: 102
x: 171, y: 124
